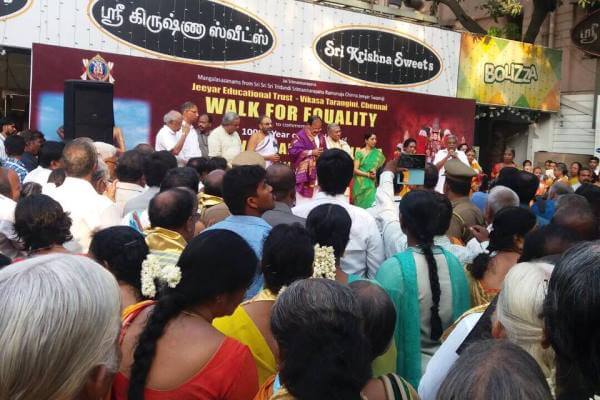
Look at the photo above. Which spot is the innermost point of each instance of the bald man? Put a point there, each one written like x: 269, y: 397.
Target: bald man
x: 283, y: 181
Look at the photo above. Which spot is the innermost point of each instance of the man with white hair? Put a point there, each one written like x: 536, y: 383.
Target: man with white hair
x: 89, y: 210
x: 71, y: 351
x: 334, y: 139
x: 500, y: 197
x: 442, y: 156
x: 173, y: 138
x: 224, y: 140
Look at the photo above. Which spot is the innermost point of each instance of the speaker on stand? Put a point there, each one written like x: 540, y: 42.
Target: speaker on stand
x: 88, y: 110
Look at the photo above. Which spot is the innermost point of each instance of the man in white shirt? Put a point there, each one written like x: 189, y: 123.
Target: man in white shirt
x: 442, y: 156
x: 9, y: 242
x: 130, y: 175
x: 50, y: 158
x: 89, y: 211
x: 364, y: 253
x: 334, y: 139
x: 156, y: 166
x: 583, y: 176
x: 224, y: 140
x: 173, y: 137
x: 191, y: 147
x: 8, y: 128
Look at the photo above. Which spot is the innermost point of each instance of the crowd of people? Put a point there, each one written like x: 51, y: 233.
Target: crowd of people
x: 195, y: 269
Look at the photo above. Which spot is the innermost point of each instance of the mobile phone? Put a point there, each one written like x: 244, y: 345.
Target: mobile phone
x: 411, y: 170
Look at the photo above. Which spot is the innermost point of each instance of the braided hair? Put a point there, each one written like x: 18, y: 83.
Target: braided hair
x: 420, y: 215
x: 508, y: 223
x: 213, y: 263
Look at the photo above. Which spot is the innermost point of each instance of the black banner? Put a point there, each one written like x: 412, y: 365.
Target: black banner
x: 8, y: 8
x: 201, y: 30
x: 378, y: 56
x: 586, y: 34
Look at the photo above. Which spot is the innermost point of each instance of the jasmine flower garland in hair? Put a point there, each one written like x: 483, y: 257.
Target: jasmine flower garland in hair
x: 324, y: 263
x: 152, y: 269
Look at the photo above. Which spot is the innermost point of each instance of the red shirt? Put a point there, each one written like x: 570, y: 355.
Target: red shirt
x: 229, y: 375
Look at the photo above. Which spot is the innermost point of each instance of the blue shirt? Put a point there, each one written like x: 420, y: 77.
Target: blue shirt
x: 254, y: 231
x: 541, y: 221
x: 17, y: 166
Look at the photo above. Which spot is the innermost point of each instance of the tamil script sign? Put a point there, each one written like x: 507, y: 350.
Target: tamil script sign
x: 586, y: 34
x: 10, y: 8
x: 378, y: 56
x: 288, y: 38
x: 206, y: 31
x: 502, y: 72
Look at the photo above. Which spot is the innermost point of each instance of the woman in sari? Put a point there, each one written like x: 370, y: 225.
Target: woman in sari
x: 508, y: 160
x: 366, y: 163
x: 476, y: 181
x: 486, y: 273
x: 426, y: 283
x: 170, y: 349
x: 306, y: 148
x: 287, y: 257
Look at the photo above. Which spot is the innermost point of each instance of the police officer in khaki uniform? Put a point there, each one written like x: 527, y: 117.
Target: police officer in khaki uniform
x: 464, y: 213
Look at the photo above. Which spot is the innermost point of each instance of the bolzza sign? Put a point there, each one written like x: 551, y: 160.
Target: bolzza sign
x: 378, y: 56
x: 8, y: 8
x: 203, y: 31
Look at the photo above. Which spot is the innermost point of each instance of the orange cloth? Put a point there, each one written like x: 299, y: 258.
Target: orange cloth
x: 229, y: 375
x: 127, y: 311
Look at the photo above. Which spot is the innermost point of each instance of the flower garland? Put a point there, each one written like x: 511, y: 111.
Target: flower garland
x: 153, y: 269
x: 324, y: 263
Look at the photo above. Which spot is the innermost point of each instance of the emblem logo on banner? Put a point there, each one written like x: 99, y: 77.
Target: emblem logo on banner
x: 208, y: 31
x: 97, y: 69
x: 374, y: 55
x: 9, y: 7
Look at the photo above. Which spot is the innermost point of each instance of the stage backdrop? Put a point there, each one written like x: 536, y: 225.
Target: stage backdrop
x: 146, y: 89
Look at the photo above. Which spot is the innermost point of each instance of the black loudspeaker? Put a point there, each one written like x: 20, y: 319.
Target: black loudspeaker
x: 88, y: 110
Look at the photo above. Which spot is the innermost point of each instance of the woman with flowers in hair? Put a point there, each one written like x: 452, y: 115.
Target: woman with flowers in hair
x: 170, y: 348
x: 329, y: 226
x: 427, y: 285
x: 287, y: 257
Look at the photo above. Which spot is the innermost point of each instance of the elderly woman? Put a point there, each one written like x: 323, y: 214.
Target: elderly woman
x: 519, y: 312
x: 379, y: 316
x: 571, y: 321
x: 70, y: 352
x: 42, y: 225
x: 518, y: 319
x: 495, y: 370
x: 323, y: 350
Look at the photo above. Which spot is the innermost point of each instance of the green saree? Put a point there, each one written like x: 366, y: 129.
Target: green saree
x: 363, y: 188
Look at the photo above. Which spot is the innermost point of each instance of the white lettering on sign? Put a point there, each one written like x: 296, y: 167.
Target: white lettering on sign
x: 514, y: 72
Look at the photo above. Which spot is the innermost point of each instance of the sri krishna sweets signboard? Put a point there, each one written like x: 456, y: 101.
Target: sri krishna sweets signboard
x: 502, y: 72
